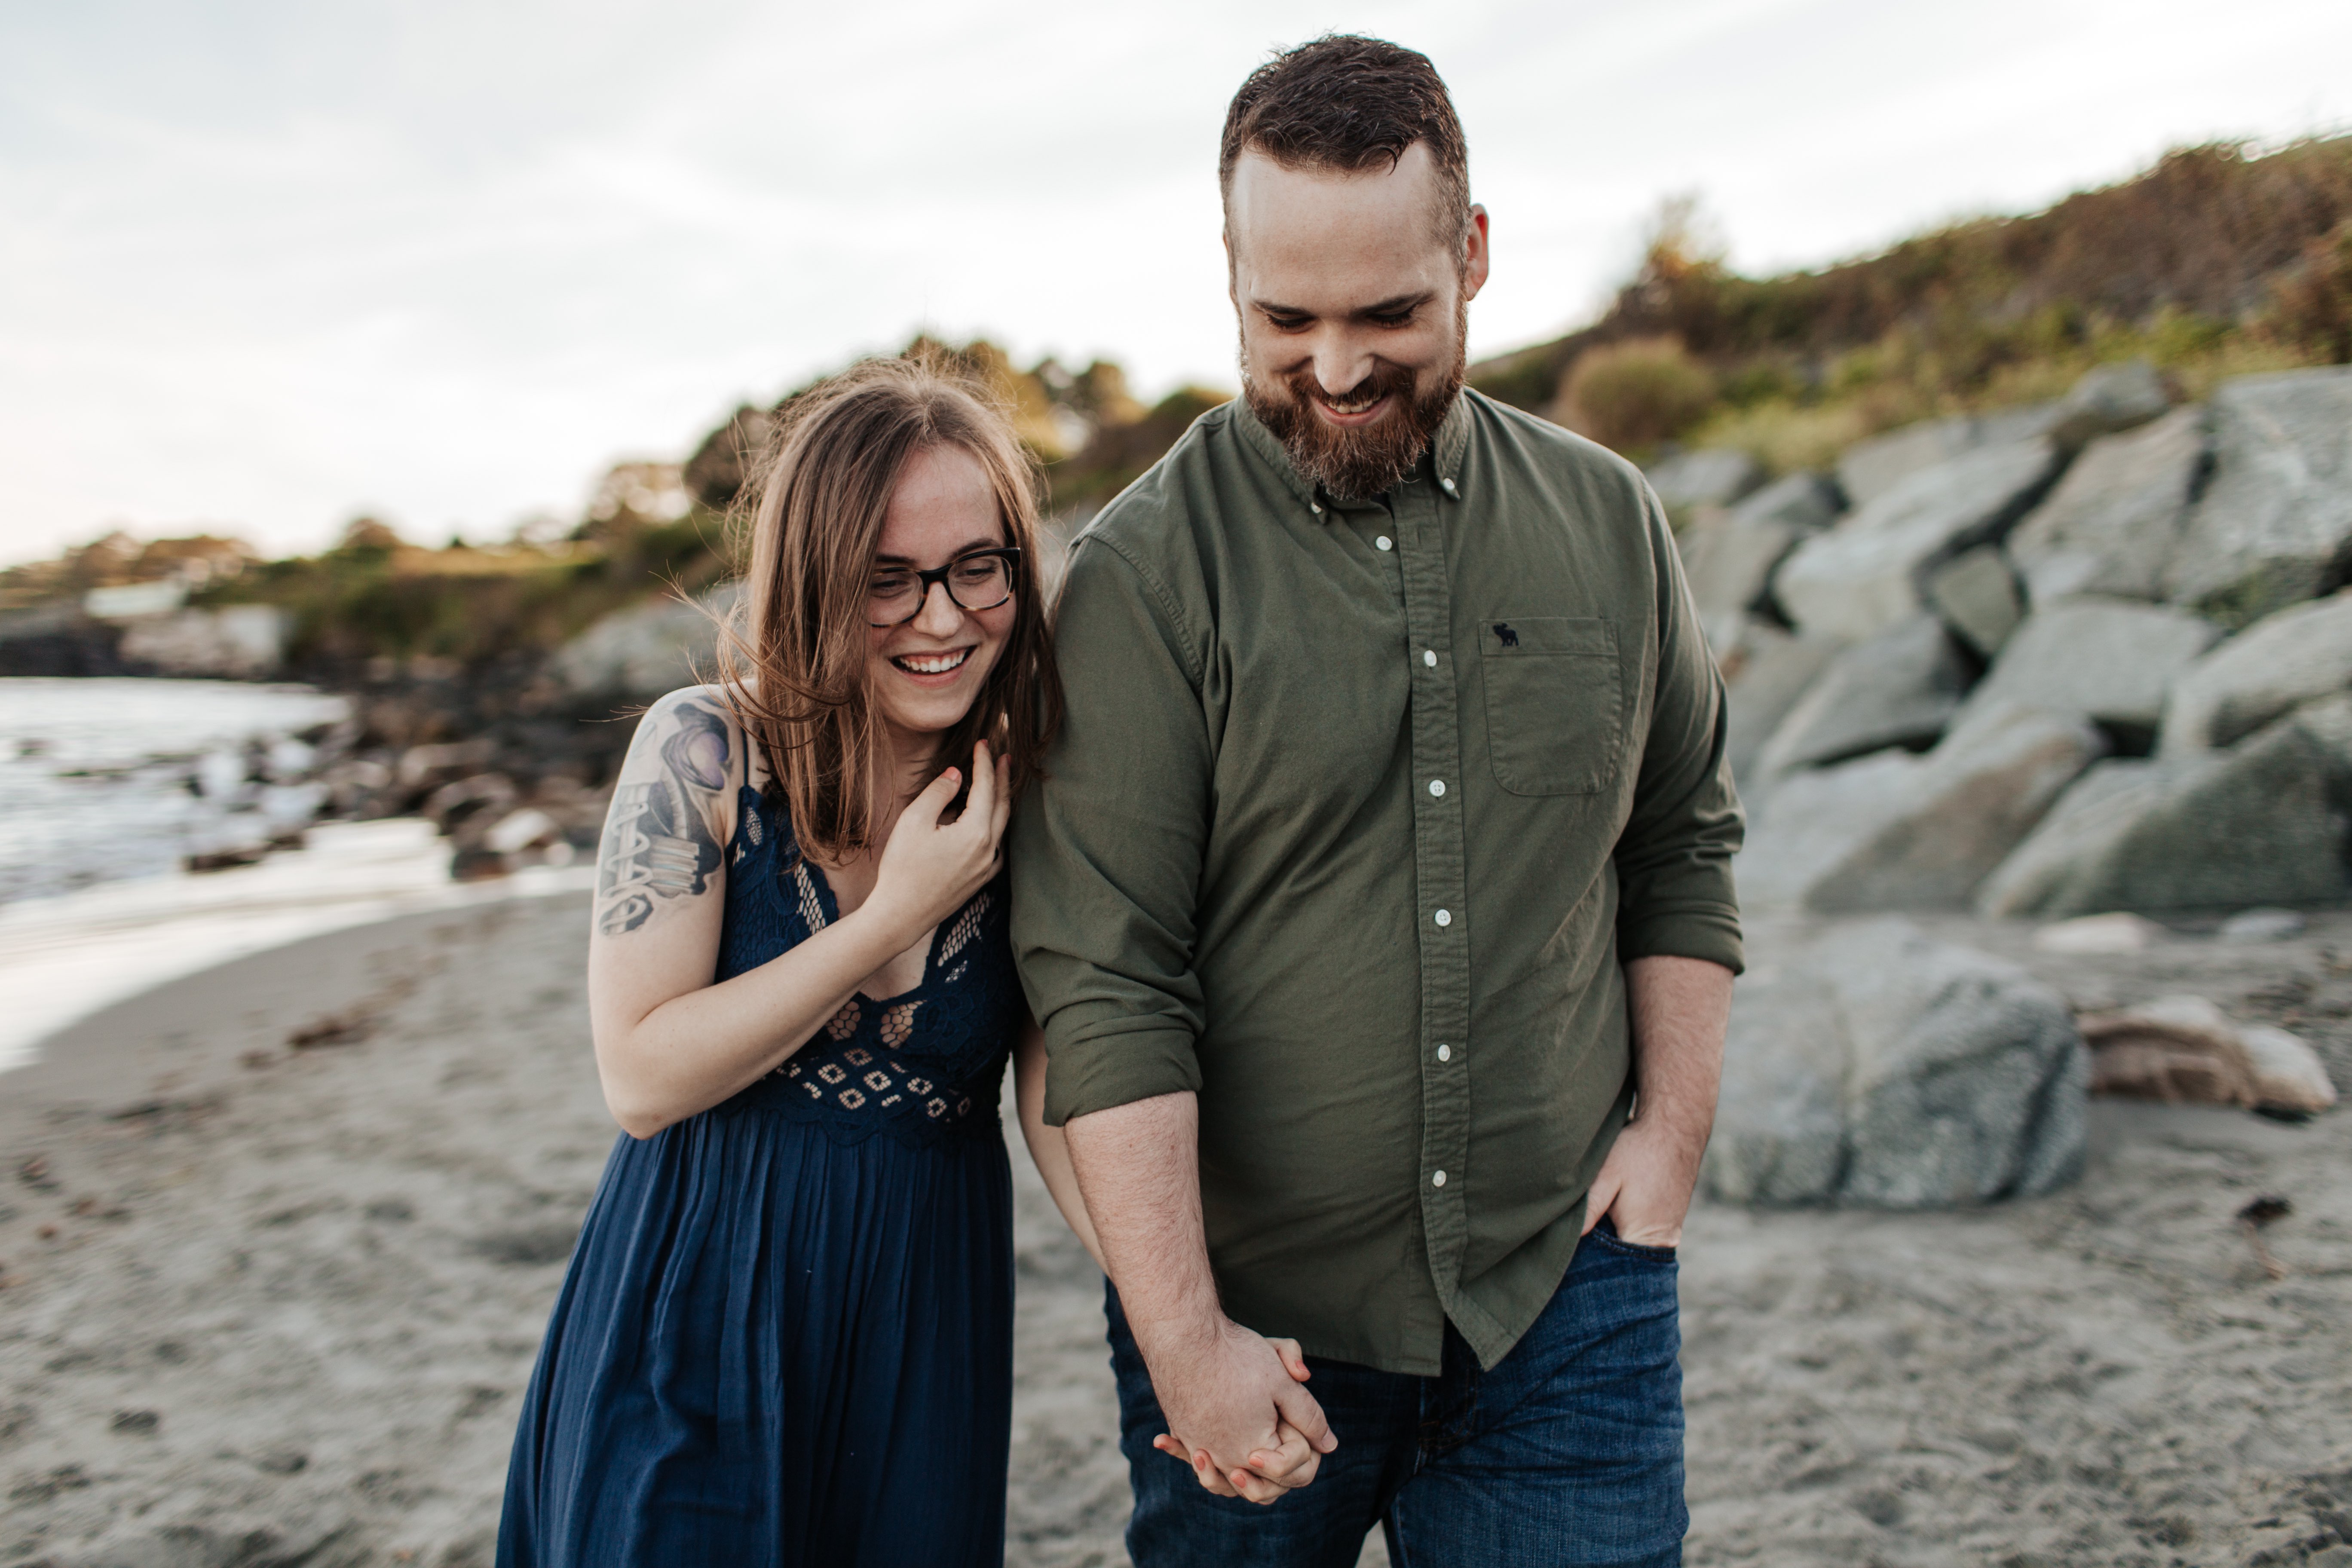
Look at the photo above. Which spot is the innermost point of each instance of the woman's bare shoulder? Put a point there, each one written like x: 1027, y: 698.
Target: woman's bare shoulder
x: 708, y: 697
x: 697, y: 721
x: 673, y: 808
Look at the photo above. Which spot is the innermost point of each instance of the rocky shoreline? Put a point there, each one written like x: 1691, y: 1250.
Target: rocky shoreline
x: 509, y: 767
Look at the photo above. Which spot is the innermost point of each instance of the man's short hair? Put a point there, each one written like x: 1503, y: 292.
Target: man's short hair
x: 1349, y: 103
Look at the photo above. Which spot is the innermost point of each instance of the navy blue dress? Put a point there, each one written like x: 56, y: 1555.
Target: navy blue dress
x: 786, y: 1333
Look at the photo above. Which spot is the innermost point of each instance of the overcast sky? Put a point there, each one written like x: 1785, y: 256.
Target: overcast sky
x: 263, y: 264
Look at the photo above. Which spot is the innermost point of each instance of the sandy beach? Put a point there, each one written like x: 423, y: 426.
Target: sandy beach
x: 271, y: 1303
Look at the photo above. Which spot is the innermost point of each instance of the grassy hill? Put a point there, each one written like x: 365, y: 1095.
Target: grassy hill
x: 2221, y: 260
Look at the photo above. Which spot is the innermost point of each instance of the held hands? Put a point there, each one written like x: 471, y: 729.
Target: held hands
x: 1236, y: 1414
x: 929, y: 868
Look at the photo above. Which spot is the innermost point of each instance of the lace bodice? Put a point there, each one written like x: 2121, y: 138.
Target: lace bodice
x: 921, y: 1066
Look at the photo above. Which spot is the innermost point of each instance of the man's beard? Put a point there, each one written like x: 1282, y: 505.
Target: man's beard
x: 1358, y: 464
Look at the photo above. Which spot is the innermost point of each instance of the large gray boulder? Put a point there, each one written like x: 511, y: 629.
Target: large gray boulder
x: 1968, y: 1080
x: 1898, y: 688
x: 1896, y: 832
x: 1878, y: 1067
x: 1803, y: 503
x: 1869, y: 571
x: 1713, y: 475
x: 1806, y: 832
x: 2260, y: 824
x: 2113, y: 397
x: 2277, y: 664
x: 1779, y: 1121
x: 1764, y: 676
x: 2109, y: 398
x: 2111, y: 660
x: 646, y: 650
x: 1870, y: 470
x: 1729, y: 556
x: 2274, y: 526
x: 1976, y: 593
x: 2111, y: 525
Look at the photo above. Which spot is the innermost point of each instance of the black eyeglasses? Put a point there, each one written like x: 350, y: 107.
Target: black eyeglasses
x: 980, y: 581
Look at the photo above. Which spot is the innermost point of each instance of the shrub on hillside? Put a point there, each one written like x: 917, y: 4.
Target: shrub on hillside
x: 1119, y: 452
x: 1633, y: 394
x: 2311, y: 308
x: 2205, y: 231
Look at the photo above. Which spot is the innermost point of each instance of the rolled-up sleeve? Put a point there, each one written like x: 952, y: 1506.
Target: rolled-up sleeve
x: 1675, y: 895
x: 1105, y: 851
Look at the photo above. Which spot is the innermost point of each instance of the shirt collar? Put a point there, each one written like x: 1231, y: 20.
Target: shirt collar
x: 1451, y: 445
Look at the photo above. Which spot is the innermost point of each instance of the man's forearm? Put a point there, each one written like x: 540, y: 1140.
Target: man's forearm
x: 1231, y: 1397
x: 1679, y: 1006
x: 1138, y: 1169
x: 1680, y: 1009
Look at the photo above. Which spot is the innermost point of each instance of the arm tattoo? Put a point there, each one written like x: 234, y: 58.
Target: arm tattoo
x: 657, y: 840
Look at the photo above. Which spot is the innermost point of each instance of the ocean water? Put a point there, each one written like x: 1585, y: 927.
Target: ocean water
x: 70, y: 955
x: 106, y: 784
x: 106, y: 780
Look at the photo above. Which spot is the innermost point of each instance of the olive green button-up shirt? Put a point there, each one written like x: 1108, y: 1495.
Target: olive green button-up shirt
x: 1359, y: 811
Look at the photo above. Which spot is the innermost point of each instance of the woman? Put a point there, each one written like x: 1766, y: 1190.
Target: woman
x: 786, y: 1333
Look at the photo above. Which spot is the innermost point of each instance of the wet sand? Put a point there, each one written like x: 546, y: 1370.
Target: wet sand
x: 267, y: 1305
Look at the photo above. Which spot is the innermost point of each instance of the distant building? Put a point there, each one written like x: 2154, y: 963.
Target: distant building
x: 135, y: 601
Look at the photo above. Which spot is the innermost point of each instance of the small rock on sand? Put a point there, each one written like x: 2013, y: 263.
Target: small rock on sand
x: 2262, y: 925
x: 2114, y: 932
x: 2184, y: 1048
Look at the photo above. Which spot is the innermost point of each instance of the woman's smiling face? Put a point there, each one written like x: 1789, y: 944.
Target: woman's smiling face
x: 927, y: 672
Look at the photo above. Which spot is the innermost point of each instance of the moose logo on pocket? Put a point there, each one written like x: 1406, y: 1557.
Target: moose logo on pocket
x: 1555, y: 703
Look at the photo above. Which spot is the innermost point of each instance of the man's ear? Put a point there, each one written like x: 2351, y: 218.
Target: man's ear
x: 1233, y: 283
x: 1476, y: 258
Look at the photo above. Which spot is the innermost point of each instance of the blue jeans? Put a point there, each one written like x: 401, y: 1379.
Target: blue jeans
x: 1569, y: 1451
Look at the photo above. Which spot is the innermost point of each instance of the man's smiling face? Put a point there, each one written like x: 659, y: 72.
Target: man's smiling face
x: 1353, y: 291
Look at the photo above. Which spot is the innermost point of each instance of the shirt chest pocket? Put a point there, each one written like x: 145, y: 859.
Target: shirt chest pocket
x: 1555, y: 703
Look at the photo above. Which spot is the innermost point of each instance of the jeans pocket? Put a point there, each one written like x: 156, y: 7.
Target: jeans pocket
x: 1605, y: 1233
x: 1555, y: 703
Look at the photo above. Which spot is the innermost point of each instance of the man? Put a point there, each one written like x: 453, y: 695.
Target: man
x: 1378, y: 905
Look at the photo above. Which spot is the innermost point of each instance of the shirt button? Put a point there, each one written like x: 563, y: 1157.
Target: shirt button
x: 1437, y: 786
x: 1315, y: 507
x: 1445, y: 485
x: 1445, y: 1053
x: 1445, y: 917
x: 1428, y: 657
x: 1438, y: 1180
x: 1384, y: 542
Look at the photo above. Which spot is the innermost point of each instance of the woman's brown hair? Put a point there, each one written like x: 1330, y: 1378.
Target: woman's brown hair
x: 793, y: 657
